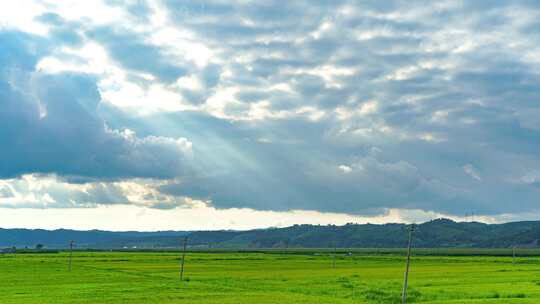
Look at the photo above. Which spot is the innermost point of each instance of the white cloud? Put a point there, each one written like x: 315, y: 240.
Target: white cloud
x: 21, y: 14
x: 472, y: 172
x: 345, y: 168
x: 126, y: 218
x: 50, y: 191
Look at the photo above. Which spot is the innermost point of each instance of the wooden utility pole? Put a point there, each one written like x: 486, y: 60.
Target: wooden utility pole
x: 406, y: 281
x: 334, y: 257
x: 513, y: 255
x: 70, y: 254
x: 183, y: 259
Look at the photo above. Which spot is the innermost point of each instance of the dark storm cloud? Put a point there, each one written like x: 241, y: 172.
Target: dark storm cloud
x: 49, y: 124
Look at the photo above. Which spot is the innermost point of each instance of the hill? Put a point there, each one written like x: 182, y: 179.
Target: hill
x: 432, y: 234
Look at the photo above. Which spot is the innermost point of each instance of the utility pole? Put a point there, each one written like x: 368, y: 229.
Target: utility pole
x: 334, y: 257
x: 405, y: 283
x: 70, y: 254
x: 514, y: 255
x: 183, y: 259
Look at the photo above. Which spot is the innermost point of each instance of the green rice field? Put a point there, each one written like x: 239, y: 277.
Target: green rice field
x: 269, y: 277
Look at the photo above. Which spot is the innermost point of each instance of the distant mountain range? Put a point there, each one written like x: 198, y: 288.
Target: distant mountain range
x: 432, y: 234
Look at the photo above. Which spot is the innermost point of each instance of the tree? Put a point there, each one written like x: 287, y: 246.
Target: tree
x: 39, y: 246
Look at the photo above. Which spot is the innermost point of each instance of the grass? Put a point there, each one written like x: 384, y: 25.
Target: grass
x: 263, y: 278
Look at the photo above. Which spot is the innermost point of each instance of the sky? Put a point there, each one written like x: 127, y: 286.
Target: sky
x: 240, y: 114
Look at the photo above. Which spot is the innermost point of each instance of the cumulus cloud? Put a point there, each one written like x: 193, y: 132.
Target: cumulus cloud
x: 342, y: 106
x: 51, y: 191
x: 50, y: 123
